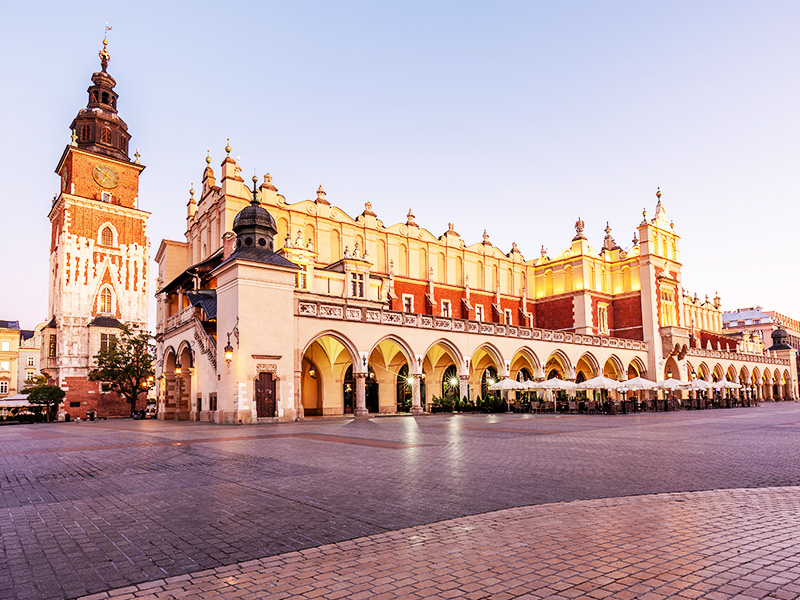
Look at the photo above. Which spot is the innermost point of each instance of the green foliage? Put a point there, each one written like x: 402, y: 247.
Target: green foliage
x: 127, y: 364
x: 48, y: 396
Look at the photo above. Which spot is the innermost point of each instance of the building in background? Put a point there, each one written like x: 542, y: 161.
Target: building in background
x: 276, y: 310
x: 9, y: 358
x: 29, y: 352
x: 99, y: 251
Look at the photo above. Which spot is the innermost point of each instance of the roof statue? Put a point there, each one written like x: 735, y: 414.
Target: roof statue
x: 579, y: 225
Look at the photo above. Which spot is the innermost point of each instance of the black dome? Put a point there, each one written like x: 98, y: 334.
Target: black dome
x: 780, y: 340
x: 254, y: 216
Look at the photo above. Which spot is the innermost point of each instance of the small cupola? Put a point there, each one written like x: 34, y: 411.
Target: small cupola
x: 98, y: 128
x: 254, y: 226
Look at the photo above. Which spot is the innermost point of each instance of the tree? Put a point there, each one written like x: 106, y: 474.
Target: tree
x: 49, y: 396
x: 127, y: 363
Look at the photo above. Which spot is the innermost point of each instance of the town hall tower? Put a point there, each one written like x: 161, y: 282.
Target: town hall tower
x: 99, y: 251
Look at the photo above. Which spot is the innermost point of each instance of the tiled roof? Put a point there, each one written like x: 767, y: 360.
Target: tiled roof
x: 105, y: 322
x: 9, y: 324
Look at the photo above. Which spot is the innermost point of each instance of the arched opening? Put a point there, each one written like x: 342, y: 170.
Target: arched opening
x: 389, y: 368
x: 587, y: 367
x: 106, y: 301
x: 556, y: 367
x: 485, y: 358
x: 107, y: 236
x: 442, y: 374
x: 327, y: 382
x: 613, y: 368
x: 183, y: 383
x: 488, y: 378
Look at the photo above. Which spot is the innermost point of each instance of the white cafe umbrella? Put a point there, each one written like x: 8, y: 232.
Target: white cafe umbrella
x: 719, y: 385
x: 636, y: 384
x: 506, y: 384
x: 598, y: 383
x: 671, y: 384
x: 698, y: 385
x: 556, y: 384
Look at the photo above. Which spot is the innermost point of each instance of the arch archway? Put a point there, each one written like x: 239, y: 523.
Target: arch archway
x: 184, y: 407
x: 558, y: 365
x: 587, y: 367
x: 485, y: 357
x: 325, y: 388
x: 443, y: 367
x: 613, y: 368
x: 390, y: 357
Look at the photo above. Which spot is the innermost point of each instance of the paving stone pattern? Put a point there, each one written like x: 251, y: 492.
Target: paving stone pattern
x: 89, y: 507
x: 713, y: 545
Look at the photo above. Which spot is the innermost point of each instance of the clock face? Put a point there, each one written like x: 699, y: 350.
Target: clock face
x: 106, y: 176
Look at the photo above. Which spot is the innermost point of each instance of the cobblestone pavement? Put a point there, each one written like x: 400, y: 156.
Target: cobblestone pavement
x: 90, y: 507
x: 712, y: 545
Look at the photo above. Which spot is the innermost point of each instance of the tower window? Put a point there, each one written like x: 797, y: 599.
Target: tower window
x: 106, y: 340
x: 51, y: 350
x: 105, y: 135
x: 357, y: 285
x: 86, y: 133
x: 107, y: 236
x: 105, y: 301
x: 105, y: 97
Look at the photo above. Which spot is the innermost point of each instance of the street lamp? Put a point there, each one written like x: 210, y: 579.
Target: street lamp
x: 178, y: 369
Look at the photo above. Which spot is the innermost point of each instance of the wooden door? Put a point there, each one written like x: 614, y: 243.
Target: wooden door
x: 265, y: 395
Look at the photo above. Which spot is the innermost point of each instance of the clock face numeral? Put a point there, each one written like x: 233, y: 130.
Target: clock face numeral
x: 106, y: 176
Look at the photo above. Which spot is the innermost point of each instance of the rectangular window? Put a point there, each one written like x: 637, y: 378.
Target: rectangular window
x: 6, y: 346
x: 30, y: 361
x: 356, y: 285
x: 479, y: 312
x: 212, y: 402
x: 3, y: 387
x: 507, y: 316
x: 408, y: 303
x: 107, y: 340
x: 52, y: 346
x: 29, y: 375
x: 668, y: 318
x: 105, y: 196
x: 446, y: 308
x: 302, y: 278
x: 74, y: 404
x: 602, y: 319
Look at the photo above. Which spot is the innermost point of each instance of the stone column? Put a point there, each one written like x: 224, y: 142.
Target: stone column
x: 298, y: 395
x: 463, y: 387
x: 416, y: 404
x: 361, y: 395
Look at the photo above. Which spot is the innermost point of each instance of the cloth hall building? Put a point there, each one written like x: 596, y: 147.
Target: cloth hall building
x: 275, y: 310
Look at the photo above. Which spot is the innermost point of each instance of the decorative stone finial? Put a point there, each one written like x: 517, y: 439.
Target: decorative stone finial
x: 228, y: 148
x: 268, y: 183
x: 321, y: 196
x: 514, y: 247
x: 254, y: 201
x: 74, y: 137
x: 486, y: 238
x: 368, y: 209
x: 105, y: 57
x: 579, y: 225
x: 544, y: 252
x: 138, y: 156
x: 635, y: 239
x: 608, y: 241
x: 410, y: 218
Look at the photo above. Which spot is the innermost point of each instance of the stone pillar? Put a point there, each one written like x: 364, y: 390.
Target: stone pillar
x: 298, y: 395
x: 361, y: 395
x: 416, y: 405
x: 463, y: 386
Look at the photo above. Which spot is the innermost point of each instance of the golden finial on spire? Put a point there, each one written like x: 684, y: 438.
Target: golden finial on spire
x: 208, y: 157
x: 658, y: 193
x: 228, y: 148
x: 137, y: 155
x: 191, y: 193
x: 104, y: 55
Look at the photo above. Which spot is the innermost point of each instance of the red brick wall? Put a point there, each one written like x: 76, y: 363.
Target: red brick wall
x: 727, y: 343
x: 80, y: 168
x: 556, y: 313
x: 417, y: 290
x: 106, y: 404
x: 627, y: 317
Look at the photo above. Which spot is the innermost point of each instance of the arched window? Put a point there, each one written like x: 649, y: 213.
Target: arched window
x: 105, y: 135
x: 86, y: 133
x: 423, y: 264
x: 626, y: 279
x: 568, y: 283
x: 548, y: 282
x: 442, y: 268
x: 459, y: 271
x: 107, y: 236
x: 105, y: 301
x: 403, y: 260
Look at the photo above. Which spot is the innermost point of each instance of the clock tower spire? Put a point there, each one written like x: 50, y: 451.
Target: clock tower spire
x: 99, y: 251
x: 98, y: 126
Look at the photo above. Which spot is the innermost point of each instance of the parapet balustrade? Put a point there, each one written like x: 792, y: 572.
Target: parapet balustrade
x: 382, y: 316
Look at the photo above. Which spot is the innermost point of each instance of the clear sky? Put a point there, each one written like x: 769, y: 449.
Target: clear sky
x: 516, y: 117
